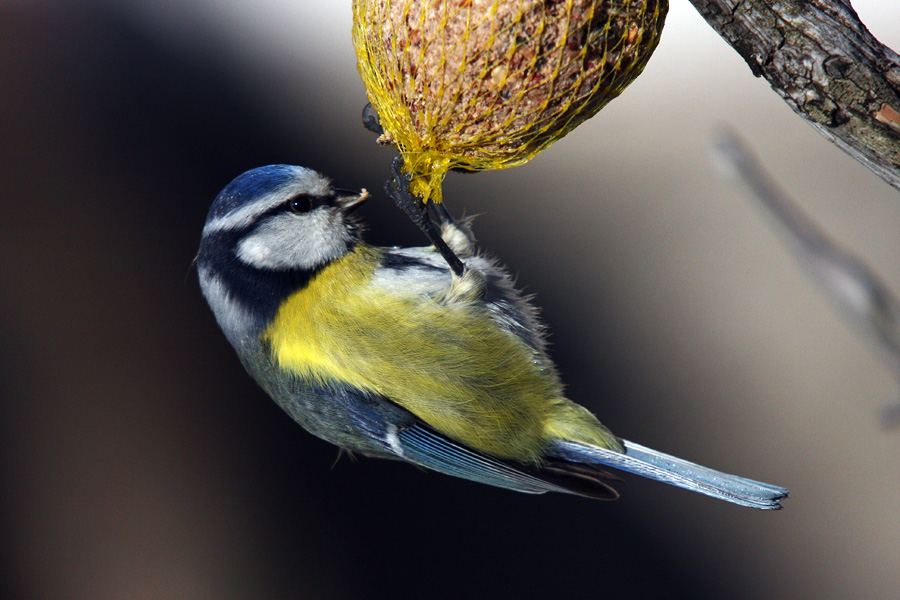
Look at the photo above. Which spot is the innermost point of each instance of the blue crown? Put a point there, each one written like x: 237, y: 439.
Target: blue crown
x: 252, y: 185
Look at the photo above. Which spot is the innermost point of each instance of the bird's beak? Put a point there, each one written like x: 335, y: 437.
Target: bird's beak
x: 348, y: 201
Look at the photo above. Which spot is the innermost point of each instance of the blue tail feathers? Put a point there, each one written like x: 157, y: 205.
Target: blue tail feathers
x: 646, y: 462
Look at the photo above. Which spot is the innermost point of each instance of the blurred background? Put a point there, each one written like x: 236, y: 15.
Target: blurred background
x: 138, y: 460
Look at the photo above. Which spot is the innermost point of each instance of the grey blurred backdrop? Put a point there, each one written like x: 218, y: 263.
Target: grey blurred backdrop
x: 139, y: 461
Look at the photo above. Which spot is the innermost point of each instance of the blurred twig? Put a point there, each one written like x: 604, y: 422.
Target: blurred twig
x: 820, y: 58
x: 862, y: 295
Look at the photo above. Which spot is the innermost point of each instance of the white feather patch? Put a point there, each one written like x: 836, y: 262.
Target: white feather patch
x: 393, y: 440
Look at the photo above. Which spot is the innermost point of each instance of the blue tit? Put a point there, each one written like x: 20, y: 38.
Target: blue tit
x: 387, y: 353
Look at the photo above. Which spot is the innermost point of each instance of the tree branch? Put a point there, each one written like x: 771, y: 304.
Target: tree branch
x: 865, y: 298
x: 819, y: 57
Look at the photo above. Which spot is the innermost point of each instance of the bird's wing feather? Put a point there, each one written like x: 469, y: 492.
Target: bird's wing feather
x: 401, y: 434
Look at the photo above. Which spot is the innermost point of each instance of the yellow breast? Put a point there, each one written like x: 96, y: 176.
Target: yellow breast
x: 448, y: 364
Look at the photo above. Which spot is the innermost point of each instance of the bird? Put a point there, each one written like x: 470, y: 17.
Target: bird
x: 387, y: 352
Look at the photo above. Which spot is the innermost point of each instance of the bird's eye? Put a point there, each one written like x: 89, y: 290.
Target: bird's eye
x: 300, y: 204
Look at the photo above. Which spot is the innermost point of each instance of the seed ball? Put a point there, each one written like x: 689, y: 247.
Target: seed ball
x: 487, y: 84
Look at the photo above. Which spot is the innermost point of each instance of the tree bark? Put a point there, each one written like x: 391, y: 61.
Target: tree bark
x: 819, y: 57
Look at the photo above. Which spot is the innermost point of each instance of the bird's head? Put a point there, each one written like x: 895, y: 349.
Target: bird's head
x: 268, y: 232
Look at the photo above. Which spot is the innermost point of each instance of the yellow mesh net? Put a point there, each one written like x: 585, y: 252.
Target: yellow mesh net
x: 487, y: 84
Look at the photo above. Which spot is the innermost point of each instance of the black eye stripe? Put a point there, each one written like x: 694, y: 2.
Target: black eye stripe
x: 297, y: 204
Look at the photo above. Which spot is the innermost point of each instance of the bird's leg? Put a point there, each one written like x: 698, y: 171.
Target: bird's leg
x: 457, y: 234
x: 371, y: 120
x: 443, y: 215
x: 397, y: 188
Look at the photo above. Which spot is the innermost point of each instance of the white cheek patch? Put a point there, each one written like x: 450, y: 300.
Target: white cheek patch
x: 291, y: 241
x: 254, y: 251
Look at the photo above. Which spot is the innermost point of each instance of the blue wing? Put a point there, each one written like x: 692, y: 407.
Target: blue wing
x: 400, y: 434
x: 373, y: 425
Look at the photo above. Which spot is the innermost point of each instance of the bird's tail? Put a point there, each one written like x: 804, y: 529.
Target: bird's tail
x: 675, y: 471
